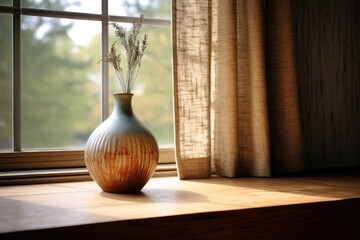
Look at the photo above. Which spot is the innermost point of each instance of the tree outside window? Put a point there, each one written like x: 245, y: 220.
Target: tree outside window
x: 61, y: 80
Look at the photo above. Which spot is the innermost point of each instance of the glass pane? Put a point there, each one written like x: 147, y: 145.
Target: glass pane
x: 152, y: 101
x: 87, y: 6
x: 60, y: 81
x: 6, y: 2
x: 149, y: 8
x: 6, y: 82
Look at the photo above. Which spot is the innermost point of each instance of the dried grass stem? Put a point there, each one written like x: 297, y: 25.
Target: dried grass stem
x: 134, y: 52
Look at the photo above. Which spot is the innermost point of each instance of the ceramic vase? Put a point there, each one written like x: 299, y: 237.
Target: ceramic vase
x: 121, y: 154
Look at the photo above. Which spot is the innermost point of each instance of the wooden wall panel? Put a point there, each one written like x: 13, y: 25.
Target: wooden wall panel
x: 327, y: 38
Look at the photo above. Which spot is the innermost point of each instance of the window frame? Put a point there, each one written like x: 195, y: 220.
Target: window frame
x: 17, y: 159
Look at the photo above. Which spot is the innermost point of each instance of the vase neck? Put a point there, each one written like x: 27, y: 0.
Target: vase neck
x: 122, y: 103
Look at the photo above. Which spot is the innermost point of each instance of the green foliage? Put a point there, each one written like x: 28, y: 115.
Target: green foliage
x: 152, y: 8
x: 153, y: 88
x: 53, y: 83
x: 6, y: 2
x: 5, y: 82
x: 54, y: 100
x: 60, y: 99
x: 154, y: 107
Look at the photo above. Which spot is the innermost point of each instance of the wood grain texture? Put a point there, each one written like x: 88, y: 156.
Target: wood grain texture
x: 328, y: 67
x: 313, y: 221
x: 323, y: 206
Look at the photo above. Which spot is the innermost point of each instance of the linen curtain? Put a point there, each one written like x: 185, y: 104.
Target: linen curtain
x: 235, y: 90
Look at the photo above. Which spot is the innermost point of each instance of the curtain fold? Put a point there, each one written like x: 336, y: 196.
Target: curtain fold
x: 235, y: 94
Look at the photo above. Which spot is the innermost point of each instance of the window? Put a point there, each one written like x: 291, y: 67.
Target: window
x: 52, y: 91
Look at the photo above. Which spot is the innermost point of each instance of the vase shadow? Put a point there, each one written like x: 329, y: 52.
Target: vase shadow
x: 158, y: 195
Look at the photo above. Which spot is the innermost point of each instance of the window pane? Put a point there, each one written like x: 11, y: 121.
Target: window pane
x: 5, y: 82
x: 152, y: 101
x: 5, y: 2
x: 60, y: 81
x: 150, y: 8
x: 87, y: 6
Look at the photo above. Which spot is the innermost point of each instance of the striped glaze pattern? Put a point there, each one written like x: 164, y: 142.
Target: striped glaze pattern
x: 121, y: 154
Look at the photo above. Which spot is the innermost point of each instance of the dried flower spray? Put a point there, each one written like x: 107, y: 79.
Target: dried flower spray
x: 134, y: 53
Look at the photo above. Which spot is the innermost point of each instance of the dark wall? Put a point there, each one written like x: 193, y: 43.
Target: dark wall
x: 327, y: 42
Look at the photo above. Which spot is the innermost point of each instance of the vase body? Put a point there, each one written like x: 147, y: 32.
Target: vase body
x: 121, y: 154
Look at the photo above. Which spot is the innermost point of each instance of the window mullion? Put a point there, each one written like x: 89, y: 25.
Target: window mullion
x: 19, y: 160
x: 147, y: 20
x: 17, y: 76
x: 105, y: 66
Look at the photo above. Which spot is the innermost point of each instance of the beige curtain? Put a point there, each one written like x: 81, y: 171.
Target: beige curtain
x: 235, y: 91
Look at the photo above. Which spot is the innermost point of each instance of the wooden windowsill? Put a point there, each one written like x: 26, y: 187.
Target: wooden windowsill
x: 176, y: 209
